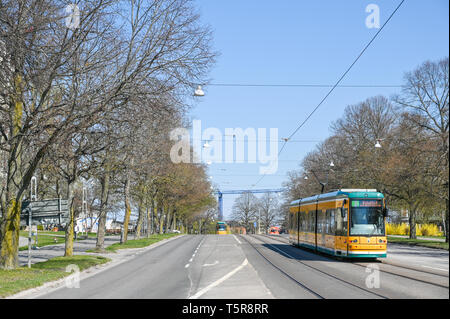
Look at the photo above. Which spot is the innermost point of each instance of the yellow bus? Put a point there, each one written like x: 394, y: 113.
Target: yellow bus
x: 346, y: 223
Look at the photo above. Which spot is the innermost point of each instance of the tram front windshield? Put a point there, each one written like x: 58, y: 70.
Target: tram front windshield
x: 222, y: 227
x: 366, y: 218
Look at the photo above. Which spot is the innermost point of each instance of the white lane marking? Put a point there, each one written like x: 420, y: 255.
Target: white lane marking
x: 215, y: 263
x: 219, y: 281
x: 195, y: 252
x: 237, y: 239
x: 446, y: 270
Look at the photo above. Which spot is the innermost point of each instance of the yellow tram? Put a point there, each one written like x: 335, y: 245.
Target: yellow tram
x: 222, y: 228
x: 347, y: 223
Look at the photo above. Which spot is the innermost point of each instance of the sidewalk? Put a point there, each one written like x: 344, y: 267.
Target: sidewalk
x: 419, y: 237
x: 47, y: 252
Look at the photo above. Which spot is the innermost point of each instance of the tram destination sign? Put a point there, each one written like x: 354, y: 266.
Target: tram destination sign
x: 366, y: 203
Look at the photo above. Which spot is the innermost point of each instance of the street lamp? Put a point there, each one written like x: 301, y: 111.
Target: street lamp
x: 199, y: 91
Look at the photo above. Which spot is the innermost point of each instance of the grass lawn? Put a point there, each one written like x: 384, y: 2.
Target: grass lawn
x: 418, y: 242
x: 63, y: 233
x: 139, y: 243
x: 44, y: 239
x: 14, y: 281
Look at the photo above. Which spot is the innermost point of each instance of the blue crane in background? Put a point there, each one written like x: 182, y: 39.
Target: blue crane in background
x: 253, y: 191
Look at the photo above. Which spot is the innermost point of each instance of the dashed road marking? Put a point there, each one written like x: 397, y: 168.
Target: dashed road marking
x: 215, y: 263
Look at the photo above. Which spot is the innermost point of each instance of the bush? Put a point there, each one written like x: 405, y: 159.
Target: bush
x: 428, y: 230
x: 421, y: 230
x: 397, y: 229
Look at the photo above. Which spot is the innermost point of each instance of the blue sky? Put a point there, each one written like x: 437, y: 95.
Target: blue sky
x: 305, y: 42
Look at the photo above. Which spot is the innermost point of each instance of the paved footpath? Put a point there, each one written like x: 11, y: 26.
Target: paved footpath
x: 47, y: 252
x: 420, y: 237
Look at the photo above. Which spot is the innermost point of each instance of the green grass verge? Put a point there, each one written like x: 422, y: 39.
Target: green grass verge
x: 44, y: 240
x: 62, y: 233
x: 14, y: 281
x: 418, y: 242
x: 139, y: 243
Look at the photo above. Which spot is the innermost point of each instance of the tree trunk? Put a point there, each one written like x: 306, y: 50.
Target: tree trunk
x: 161, y: 220
x: 140, y: 220
x: 168, y: 219
x: 127, y: 210
x: 68, y: 249
x: 149, y: 221
x: 100, y: 245
x: 446, y: 221
x: 9, y: 251
x: 412, y: 221
x: 174, y: 221
x: 10, y: 222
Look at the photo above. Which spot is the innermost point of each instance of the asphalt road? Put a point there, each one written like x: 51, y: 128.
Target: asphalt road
x: 237, y: 267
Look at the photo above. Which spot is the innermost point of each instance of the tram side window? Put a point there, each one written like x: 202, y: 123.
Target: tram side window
x: 311, y: 221
x: 300, y: 217
x: 323, y: 222
x: 295, y: 222
x: 290, y: 221
x: 344, y: 226
x: 327, y: 221
x: 304, y: 221
x: 341, y: 222
x: 319, y: 221
x: 308, y: 221
x: 332, y: 221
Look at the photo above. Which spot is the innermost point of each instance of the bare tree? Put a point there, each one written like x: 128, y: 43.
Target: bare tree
x: 245, y: 210
x: 426, y: 96
x: 269, y: 210
x: 59, y: 79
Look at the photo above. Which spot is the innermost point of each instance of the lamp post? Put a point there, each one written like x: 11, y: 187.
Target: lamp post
x: 199, y: 91
x: 323, y: 184
x: 84, y: 209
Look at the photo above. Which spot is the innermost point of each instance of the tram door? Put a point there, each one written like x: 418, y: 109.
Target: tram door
x: 341, y: 220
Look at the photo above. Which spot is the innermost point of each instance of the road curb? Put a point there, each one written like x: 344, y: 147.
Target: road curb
x: 55, y: 285
x: 428, y: 270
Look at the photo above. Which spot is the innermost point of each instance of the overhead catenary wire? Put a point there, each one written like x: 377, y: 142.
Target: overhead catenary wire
x: 306, y: 85
x: 337, y: 83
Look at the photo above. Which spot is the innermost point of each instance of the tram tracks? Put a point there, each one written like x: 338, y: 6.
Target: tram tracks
x: 312, y: 292
x: 430, y: 281
x: 303, y: 285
